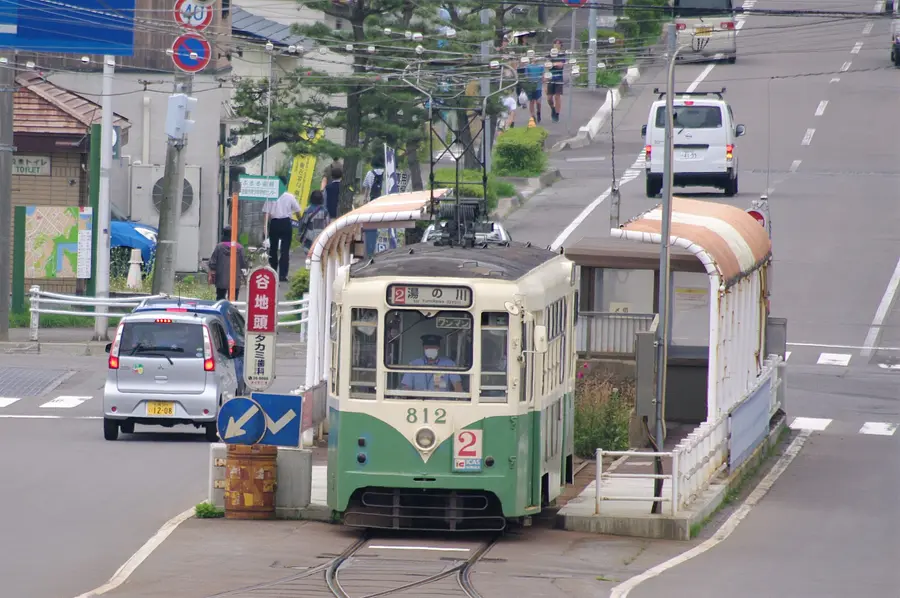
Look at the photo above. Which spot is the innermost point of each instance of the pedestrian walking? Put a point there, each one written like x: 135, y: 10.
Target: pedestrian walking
x: 332, y: 191
x: 314, y: 220
x: 508, y: 116
x: 555, y: 85
x: 373, y: 186
x: 336, y: 162
x: 278, y: 223
x: 534, y: 82
x: 219, y: 267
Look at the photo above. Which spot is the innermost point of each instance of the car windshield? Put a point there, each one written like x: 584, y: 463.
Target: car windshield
x: 172, y: 340
x: 692, y: 117
x: 701, y: 8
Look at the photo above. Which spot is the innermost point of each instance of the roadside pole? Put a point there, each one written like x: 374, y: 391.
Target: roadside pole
x: 570, y: 57
x: 177, y: 126
x: 232, y: 265
x: 592, y: 49
x: 664, y: 274
x: 7, y: 91
x: 102, y: 216
x: 486, y: 91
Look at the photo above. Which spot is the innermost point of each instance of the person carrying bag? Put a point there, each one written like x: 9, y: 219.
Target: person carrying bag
x: 314, y: 220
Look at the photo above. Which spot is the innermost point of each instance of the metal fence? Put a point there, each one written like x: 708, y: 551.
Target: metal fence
x: 672, y: 499
x: 78, y: 306
x: 607, y: 333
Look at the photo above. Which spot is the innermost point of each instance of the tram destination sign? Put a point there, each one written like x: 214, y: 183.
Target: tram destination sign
x: 400, y: 295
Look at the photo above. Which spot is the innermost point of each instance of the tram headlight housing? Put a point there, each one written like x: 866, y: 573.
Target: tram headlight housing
x: 425, y: 439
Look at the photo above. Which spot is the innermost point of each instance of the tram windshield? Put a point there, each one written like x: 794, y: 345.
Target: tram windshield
x: 437, y: 342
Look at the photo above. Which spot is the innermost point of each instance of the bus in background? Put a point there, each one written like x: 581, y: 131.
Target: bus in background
x: 706, y: 30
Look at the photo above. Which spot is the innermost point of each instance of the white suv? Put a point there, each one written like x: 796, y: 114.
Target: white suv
x: 704, y: 140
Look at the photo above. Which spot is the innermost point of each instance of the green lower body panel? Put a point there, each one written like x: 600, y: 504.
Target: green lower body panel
x: 368, y: 457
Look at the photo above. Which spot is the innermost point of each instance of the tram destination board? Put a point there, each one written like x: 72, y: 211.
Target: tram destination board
x: 401, y: 295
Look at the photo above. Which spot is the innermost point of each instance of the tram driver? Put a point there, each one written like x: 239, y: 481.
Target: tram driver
x: 431, y: 346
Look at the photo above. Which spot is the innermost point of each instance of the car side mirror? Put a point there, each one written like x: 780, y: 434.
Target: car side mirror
x: 108, y: 347
x: 540, y: 339
x: 740, y: 130
x: 237, y: 351
x: 643, y: 130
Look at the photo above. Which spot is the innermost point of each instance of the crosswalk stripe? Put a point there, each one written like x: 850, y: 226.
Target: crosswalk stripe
x: 878, y: 429
x: 65, y: 402
x: 815, y: 424
x: 6, y: 401
x: 841, y: 359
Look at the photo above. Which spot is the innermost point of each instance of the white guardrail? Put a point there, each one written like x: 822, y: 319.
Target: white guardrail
x: 58, y: 302
x: 696, y: 460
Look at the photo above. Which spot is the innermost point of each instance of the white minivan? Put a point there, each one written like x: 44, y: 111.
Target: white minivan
x: 704, y: 142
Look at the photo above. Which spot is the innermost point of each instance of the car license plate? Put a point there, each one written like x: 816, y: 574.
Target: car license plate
x: 160, y: 408
x: 688, y: 155
x: 703, y: 31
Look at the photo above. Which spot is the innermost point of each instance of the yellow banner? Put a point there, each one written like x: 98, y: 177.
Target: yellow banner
x: 302, y: 173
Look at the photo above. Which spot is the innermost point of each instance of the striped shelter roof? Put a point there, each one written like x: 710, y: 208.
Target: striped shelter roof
x: 729, y: 241
x: 387, y: 210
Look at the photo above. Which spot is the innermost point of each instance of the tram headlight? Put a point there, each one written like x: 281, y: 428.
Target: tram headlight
x: 425, y: 439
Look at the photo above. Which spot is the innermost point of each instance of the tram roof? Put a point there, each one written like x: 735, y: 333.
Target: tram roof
x: 494, y: 262
x: 728, y: 240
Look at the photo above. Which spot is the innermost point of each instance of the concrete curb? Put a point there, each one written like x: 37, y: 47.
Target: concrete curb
x: 587, y: 133
x: 666, y: 527
x: 532, y: 186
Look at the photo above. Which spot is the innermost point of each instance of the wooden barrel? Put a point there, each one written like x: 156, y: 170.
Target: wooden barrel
x: 250, y: 482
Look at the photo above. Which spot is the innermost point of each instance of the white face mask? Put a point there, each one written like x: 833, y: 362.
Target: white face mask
x: 431, y: 353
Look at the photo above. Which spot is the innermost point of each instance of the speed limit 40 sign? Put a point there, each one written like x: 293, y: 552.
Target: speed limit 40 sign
x: 194, y: 14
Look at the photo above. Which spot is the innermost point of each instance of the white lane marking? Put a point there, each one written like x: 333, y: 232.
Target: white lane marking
x: 731, y: 524
x: 887, y: 302
x: 65, y: 402
x: 10, y: 416
x: 810, y: 424
x: 787, y: 355
x: 851, y: 347
x: 840, y: 359
x: 433, y: 548
x: 835, y: 80
x: 879, y: 6
x: 633, y: 172
x: 6, y: 401
x: 868, y: 28
x: 587, y: 159
x: 846, y: 66
x: 807, y: 139
x: 795, y: 165
x: 129, y: 566
x: 739, y: 24
x: 820, y: 109
x: 878, y: 429
x: 856, y: 48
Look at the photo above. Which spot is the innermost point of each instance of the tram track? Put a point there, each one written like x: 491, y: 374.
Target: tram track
x: 355, y: 574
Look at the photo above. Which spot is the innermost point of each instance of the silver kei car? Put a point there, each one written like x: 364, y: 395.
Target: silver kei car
x: 168, y: 368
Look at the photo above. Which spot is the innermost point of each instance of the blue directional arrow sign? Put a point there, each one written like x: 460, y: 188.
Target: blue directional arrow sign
x: 241, y: 421
x: 72, y: 26
x: 283, y: 417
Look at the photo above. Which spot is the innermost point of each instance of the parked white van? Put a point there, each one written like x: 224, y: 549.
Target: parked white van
x: 704, y: 138
x: 706, y: 30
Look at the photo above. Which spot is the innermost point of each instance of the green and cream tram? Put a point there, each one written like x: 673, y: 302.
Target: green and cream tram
x: 451, y: 380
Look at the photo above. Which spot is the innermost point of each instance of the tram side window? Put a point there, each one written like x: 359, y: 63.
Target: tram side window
x: 335, y: 323
x: 494, y: 356
x: 364, y: 349
x: 553, y: 372
x: 525, y: 382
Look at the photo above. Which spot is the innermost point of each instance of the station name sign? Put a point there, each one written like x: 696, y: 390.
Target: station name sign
x: 428, y: 296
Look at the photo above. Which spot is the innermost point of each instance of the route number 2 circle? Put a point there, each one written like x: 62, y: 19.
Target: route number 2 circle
x: 467, y: 440
x: 399, y: 295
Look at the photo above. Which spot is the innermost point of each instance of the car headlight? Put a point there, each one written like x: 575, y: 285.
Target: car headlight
x: 425, y: 439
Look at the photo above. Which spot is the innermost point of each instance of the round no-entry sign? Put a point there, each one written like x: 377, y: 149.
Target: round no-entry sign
x: 191, y: 52
x: 193, y: 14
x: 760, y: 217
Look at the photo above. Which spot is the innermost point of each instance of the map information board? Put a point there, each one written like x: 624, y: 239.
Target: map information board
x: 57, y: 242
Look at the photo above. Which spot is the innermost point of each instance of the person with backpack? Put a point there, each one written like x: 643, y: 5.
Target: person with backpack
x: 373, y: 185
x: 555, y: 86
x: 314, y: 219
x: 219, y: 267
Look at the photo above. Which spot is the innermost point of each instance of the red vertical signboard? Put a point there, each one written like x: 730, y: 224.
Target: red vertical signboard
x: 262, y: 301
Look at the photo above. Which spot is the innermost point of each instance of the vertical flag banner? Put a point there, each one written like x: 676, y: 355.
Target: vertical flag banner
x: 387, y: 238
x: 302, y: 172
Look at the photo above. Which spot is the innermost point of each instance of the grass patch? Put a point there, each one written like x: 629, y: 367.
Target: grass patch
x: 471, y: 185
x: 204, y: 510
x: 193, y: 286
x: 602, y: 412
x: 736, y: 489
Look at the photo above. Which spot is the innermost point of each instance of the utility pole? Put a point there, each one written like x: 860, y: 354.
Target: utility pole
x: 270, y: 47
x: 592, y: 50
x: 664, y: 274
x: 486, y: 91
x: 7, y: 91
x: 569, y: 57
x: 177, y: 128
x: 102, y: 217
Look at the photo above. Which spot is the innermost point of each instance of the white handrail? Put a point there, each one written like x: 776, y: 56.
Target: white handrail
x: 299, y: 307
x: 599, y: 496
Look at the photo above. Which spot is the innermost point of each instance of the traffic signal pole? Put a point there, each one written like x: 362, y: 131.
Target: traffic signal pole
x: 177, y: 128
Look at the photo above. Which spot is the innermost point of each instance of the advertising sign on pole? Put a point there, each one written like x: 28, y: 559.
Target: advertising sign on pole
x: 262, y: 320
